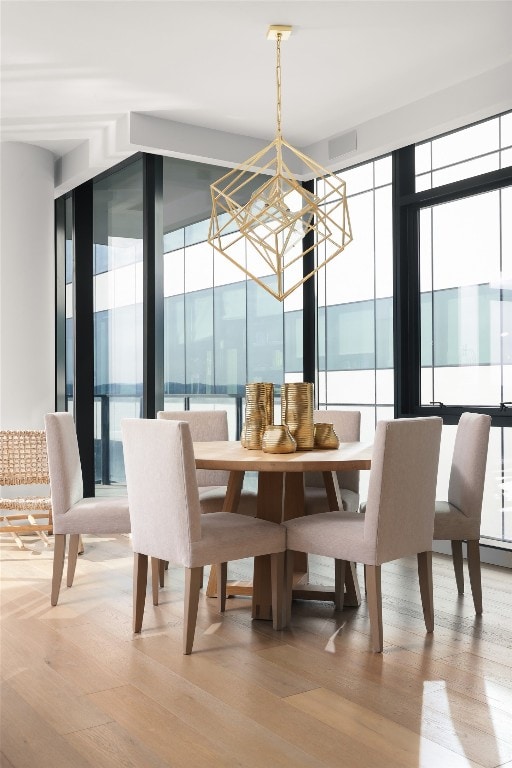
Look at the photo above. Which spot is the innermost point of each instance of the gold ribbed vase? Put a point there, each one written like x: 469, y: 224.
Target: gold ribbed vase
x: 297, y: 413
x: 277, y: 438
x: 259, y: 413
x: 325, y: 436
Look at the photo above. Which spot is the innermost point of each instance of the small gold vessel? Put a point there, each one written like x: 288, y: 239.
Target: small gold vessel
x: 277, y: 438
x: 325, y: 436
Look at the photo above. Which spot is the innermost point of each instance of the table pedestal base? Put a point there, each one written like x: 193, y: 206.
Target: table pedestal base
x: 280, y: 495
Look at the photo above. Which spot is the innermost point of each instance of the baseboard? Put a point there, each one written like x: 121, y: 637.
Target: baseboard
x: 488, y: 553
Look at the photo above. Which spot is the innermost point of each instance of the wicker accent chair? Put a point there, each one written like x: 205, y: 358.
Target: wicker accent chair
x: 23, y: 461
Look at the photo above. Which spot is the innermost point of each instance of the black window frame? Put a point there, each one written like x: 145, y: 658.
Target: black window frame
x: 407, y: 204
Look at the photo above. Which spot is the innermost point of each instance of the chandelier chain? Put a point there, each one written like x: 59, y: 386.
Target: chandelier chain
x: 278, y: 80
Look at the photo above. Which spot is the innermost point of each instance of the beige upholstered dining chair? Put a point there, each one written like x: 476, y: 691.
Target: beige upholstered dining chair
x: 399, y: 519
x: 347, y: 425
x: 206, y: 426
x: 72, y: 513
x: 167, y: 523
x: 458, y: 519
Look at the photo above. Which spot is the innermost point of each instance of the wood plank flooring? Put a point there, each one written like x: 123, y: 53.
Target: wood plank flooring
x: 79, y: 689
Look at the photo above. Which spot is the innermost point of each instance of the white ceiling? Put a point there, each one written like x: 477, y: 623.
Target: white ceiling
x: 71, y: 68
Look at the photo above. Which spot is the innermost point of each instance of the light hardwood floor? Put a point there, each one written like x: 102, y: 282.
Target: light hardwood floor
x: 78, y: 689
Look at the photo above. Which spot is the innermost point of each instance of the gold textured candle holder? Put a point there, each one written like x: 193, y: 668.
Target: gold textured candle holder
x: 297, y: 413
x: 277, y: 438
x: 259, y: 413
x: 325, y: 436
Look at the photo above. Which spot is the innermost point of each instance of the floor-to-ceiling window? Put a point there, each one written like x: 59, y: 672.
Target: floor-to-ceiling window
x: 69, y: 311
x: 221, y: 329
x: 117, y: 283
x: 355, y: 304
x: 465, y: 263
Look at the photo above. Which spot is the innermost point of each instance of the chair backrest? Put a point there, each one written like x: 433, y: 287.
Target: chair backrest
x: 63, y: 463
x: 162, y: 488
x: 347, y: 425
x: 467, y: 475
x: 402, y: 489
x: 205, y: 426
x: 23, y: 457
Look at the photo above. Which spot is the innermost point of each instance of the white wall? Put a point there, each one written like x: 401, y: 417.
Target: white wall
x: 27, y: 346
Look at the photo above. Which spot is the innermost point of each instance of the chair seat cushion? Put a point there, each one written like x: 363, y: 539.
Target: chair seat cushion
x: 315, y: 500
x: 211, y: 499
x: 95, y: 515
x: 452, y: 524
x: 228, y: 536
x: 335, y: 534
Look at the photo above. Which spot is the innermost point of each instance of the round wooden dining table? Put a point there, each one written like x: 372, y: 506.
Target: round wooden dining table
x: 281, y: 497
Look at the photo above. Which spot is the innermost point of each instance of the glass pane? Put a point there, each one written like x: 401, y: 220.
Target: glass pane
x: 506, y: 158
x: 423, y: 157
x: 70, y: 342
x: 350, y: 276
x: 423, y: 182
x: 505, y: 489
x: 174, y: 270
x: 118, y: 228
x: 265, y: 353
x: 383, y: 242
x: 358, y: 179
x: 493, y: 513
x: 221, y: 329
x: 230, y: 338
x: 294, y: 360
x: 383, y: 170
x: 174, y: 346
x: 199, y: 364
x: 465, y: 153
x: 506, y: 130
x: 351, y: 387
x: 355, y: 307
x: 466, y: 143
x: 466, y: 170
x: 464, y: 311
x: 351, y: 336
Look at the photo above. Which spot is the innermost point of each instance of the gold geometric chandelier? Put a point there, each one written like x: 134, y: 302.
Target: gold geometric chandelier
x: 274, y: 219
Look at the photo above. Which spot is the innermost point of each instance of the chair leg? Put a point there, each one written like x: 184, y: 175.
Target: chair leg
x: 288, y: 592
x: 155, y: 578
x: 277, y: 578
x: 475, y: 574
x: 59, y: 551
x: 73, y: 548
x: 192, y: 587
x: 222, y: 577
x: 339, y: 584
x: 374, y: 600
x: 457, y: 565
x: 140, y: 580
x: 161, y: 570
x: 426, y: 588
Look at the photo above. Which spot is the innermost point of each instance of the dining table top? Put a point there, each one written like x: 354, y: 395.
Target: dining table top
x: 230, y: 455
